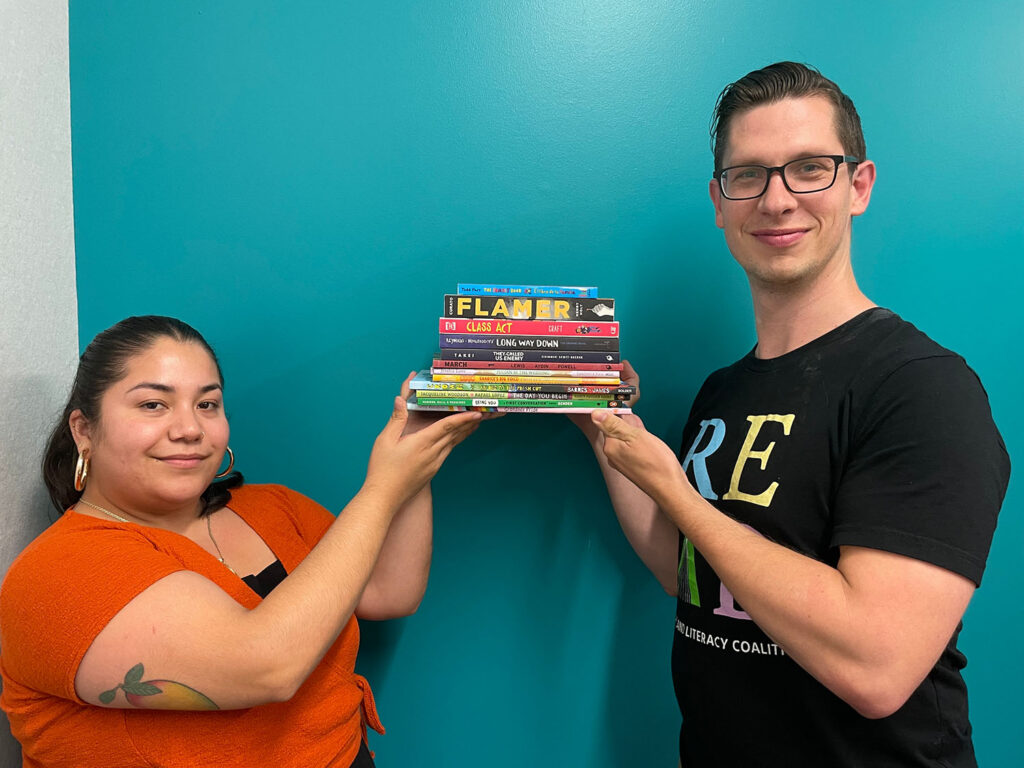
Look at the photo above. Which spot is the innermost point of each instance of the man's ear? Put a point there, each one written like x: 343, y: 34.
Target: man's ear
x: 81, y: 430
x: 861, y: 185
x: 716, y: 199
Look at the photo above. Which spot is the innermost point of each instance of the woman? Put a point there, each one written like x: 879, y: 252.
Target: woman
x: 176, y: 617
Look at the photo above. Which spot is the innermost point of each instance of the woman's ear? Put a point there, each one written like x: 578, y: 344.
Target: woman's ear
x: 80, y: 429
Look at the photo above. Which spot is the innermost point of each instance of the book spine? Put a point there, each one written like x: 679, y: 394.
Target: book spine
x: 427, y: 396
x: 527, y: 356
x: 529, y: 308
x: 496, y: 379
x: 495, y: 402
x: 503, y: 409
x: 422, y: 383
x: 490, y: 289
x: 524, y: 366
x: 458, y: 325
x: 533, y: 373
x: 546, y: 343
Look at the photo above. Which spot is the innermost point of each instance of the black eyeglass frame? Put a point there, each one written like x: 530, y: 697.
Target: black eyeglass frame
x: 837, y: 159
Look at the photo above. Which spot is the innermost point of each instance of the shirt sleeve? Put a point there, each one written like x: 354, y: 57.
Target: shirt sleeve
x: 310, y: 519
x: 927, y: 469
x: 61, y: 593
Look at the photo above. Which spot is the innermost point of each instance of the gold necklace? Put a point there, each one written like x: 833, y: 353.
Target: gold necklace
x: 209, y: 529
x: 216, y: 546
x: 104, y: 511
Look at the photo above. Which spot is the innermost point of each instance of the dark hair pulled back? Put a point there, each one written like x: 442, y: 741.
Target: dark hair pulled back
x: 103, y: 363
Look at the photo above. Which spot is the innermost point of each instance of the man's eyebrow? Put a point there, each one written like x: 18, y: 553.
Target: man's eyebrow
x: 798, y: 156
x: 167, y: 388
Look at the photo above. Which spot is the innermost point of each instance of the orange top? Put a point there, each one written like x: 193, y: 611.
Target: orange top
x: 67, y: 585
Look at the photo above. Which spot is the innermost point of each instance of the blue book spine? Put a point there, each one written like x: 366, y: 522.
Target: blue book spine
x: 490, y: 289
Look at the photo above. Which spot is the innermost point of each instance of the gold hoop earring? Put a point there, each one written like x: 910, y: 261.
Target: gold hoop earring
x: 82, y: 470
x: 231, y: 463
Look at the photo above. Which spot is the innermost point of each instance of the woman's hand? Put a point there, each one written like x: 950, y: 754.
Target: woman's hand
x: 417, y: 420
x: 413, y: 446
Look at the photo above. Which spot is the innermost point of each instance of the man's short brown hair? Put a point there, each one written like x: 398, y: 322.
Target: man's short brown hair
x: 785, y: 79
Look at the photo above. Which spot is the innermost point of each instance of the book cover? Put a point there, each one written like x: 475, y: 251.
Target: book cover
x: 456, y: 325
x: 524, y: 365
x: 529, y: 308
x: 548, y: 343
x: 506, y: 409
x: 423, y: 381
x: 427, y: 395
x: 529, y: 373
x: 527, y: 356
x: 499, y: 379
x: 491, y: 289
x: 497, y: 402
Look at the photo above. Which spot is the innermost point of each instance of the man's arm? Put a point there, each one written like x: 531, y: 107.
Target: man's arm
x: 869, y: 629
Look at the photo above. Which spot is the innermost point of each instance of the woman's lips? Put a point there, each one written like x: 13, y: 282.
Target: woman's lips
x: 184, y: 462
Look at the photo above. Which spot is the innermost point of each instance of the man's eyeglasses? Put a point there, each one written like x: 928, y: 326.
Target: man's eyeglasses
x: 801, y: 177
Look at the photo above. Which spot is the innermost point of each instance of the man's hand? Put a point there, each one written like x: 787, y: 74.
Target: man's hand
x: 636, y: 453
x: 583, y: 421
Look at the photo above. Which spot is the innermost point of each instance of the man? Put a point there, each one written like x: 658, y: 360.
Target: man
x: 833, y: 502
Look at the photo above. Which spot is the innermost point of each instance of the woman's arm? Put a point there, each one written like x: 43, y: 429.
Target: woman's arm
x: 186, y: 631
x: 399, y: 578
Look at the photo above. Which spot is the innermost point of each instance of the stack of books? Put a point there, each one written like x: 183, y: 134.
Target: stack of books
x: 525, y: 349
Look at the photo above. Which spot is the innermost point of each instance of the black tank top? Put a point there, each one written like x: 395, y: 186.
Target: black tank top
x: 262, y: 584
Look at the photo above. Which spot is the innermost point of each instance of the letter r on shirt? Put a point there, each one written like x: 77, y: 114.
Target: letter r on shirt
x: 699, y: 458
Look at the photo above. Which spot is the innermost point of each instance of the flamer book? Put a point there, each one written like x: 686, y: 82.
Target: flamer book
x: 527, y: 327
x: 528, y: 308
x: 490, y: 289
x: 550, y: 343
x: 526, y: 356
x: 527, y: 372
x: 523, y: 379
x: 525, y: 366
x: 424, y: 382
x: 506, y: 409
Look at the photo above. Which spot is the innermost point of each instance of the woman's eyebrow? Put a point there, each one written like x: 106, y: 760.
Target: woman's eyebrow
x: 167, y: 388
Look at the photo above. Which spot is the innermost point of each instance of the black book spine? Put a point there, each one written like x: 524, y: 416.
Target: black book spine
x: 527, y: 356
x: 550, y: 343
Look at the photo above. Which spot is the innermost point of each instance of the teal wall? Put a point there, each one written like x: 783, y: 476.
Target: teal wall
x: 303, y: 181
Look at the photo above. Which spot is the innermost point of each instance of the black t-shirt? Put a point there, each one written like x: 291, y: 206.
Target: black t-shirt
x: 872, y: 435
